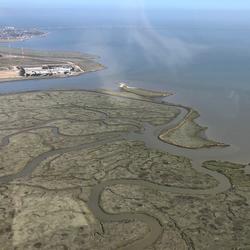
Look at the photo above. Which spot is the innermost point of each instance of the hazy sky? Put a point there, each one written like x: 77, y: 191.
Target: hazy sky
x: 180, y: 4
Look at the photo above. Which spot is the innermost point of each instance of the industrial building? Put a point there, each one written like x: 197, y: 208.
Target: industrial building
x: 47, y: 70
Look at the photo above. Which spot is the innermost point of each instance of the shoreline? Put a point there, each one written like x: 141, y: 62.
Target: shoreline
x: 23, y: 64
x: 149, y: 100
x: 23, y: 39
x: 198, y: 164
x: 229, y: 153
x: 32, y: 78
x: 201, y: 132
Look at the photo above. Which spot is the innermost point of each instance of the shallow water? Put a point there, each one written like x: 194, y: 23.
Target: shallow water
x: 207, y: 65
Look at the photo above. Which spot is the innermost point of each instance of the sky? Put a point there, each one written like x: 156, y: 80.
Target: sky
x: 168, y: 4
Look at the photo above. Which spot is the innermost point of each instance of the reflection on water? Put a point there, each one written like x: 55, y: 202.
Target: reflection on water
x: 206, y: 66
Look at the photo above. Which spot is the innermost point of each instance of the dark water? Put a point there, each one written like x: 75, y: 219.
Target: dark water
x: 206, y: 62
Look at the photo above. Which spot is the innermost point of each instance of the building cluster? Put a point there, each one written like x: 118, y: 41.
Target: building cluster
x: 11, y: 33
x: 47, y: 70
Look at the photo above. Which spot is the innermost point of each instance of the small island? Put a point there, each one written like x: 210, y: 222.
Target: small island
x: 12, y: 34
x: 24, y: 64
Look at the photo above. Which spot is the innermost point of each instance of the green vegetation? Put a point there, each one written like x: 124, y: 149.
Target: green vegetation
x: 188, y: 134
x: 69, y: 179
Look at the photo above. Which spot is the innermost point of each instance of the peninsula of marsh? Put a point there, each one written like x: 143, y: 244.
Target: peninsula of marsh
x: 88, y: 170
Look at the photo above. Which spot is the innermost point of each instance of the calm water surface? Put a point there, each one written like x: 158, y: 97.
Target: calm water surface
x: 206, y: 64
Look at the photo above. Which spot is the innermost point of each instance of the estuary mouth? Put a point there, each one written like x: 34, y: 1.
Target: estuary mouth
x: 124, y: 125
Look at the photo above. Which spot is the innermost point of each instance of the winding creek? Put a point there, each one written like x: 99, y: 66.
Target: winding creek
x: 149, y: 135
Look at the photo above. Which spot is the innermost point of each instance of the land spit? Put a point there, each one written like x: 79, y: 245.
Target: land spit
x: 86, y: 170
x: 23, y: 64
x: 12, y: 34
